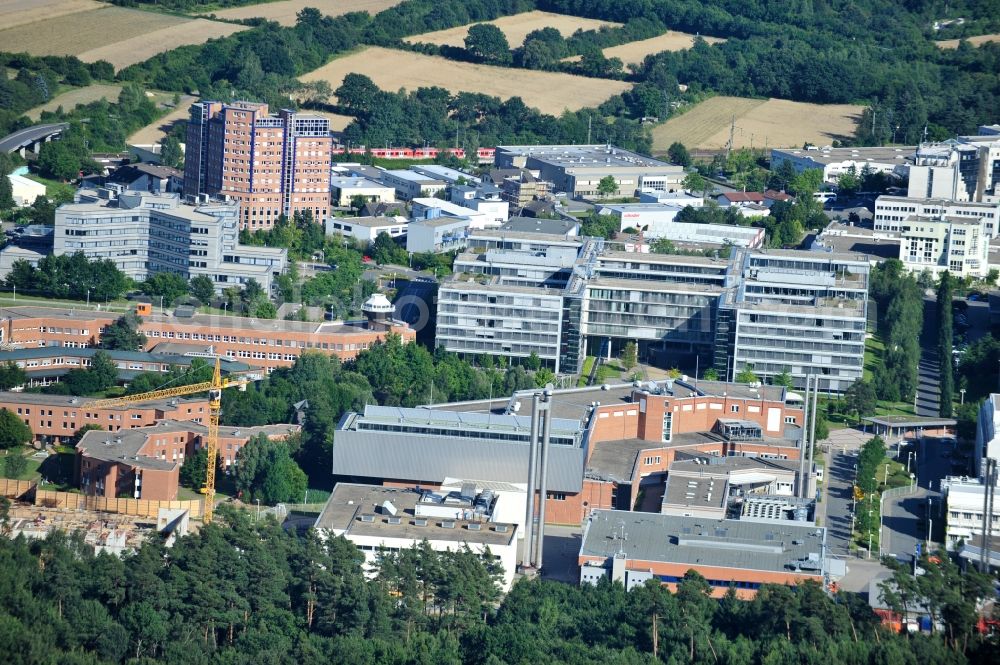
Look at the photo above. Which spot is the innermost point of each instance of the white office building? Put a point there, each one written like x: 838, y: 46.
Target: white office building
x: 439, y: 234
x: 836, y: 161
x: 484, y: 199
x: 658, y: 220
x: 366, y: 229
x: 892, y: 211
x: 959, y: 246
x: 963, y: 512
x: 145, y: 234
x: 410, y: 185
x: 346, y: 188
x: 388, y: 519
x: 797, y: 312
x: 433, y: 208
x: 966, y: 168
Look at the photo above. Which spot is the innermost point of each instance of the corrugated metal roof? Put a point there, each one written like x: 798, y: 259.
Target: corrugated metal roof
x: 433, y: 458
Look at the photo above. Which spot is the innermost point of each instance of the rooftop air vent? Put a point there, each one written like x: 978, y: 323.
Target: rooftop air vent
x: 474, y: 526
x: 367, y: 518
x: 501, y: 528
x: 394, y: 520
x: 448, y: 524
x: 420, y: 521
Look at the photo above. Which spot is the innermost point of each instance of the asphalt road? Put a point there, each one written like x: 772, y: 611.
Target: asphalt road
x: 929, y: 390
x: 839, y: 482
x: 904, y: 518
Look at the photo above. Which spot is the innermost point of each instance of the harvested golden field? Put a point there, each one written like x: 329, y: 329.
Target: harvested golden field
x: 549, y: 92
x: 155, y: 131
x: 142, y: 47
x: 975, y: 41
x: 69, y: 100
x: 73, y: 34
x: 119, y: 35
x: 775, y: 123
x: 21, y: 12
x: 636, y: 52
x: 515, y: 27
x: 284, y: 12
x: 338, y: 122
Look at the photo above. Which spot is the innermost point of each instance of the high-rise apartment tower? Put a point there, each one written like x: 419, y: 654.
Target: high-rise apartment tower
x: 271, y: 164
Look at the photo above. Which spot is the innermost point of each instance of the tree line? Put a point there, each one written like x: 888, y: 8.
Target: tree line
x: 900, y: 316
x: 239, y: 591
x: 38, y: 79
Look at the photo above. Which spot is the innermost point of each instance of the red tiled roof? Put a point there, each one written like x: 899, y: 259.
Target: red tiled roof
x: 741, y: 197
x: 776, y: 196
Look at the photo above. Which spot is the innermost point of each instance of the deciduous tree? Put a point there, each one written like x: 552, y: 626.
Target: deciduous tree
x: 13, y: 431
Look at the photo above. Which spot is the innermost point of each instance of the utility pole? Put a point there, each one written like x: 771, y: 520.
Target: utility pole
x: 590, y: 120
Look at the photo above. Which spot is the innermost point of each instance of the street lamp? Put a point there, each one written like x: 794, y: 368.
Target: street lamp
x: 930, y: 525
x: 258, y: 510
x: 962, y: 393
x: 161, y: 304
x: 885, y: 476
x: 869, y: 532
x: 88, y: 298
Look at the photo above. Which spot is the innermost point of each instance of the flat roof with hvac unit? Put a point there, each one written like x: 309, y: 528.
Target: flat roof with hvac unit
x: 700, y: 543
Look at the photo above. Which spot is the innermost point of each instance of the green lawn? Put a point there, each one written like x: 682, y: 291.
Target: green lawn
x: 588, y: 366
x: 874, y: 348
x: 609, y: 372
x: 55, y: 190
x: 31, y: 468
x: 9, y: 299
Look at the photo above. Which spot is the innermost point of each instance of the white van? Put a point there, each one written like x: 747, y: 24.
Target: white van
x: 824, y: 197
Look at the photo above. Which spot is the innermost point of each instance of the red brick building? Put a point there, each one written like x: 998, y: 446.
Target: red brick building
x: 609, y: 439
x: 145, y: 463
x: 54, y: 418
x: 635, y: 547
x: 263, y: 343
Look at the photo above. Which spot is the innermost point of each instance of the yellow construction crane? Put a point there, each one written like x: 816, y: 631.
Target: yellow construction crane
x: 214, y: 389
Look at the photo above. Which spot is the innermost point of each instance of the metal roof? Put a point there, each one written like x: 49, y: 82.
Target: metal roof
x: 911, y: 421
x: 700, y: 541
x: 432, y: 458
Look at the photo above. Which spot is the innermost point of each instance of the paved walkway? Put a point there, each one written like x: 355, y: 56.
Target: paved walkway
x: 846, y: 439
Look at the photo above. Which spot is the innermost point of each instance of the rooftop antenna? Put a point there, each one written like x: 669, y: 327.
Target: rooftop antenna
x: 621, y: 537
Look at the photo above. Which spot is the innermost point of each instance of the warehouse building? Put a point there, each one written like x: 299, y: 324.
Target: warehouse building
x: 834, y: 162
x: 578, y: 169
